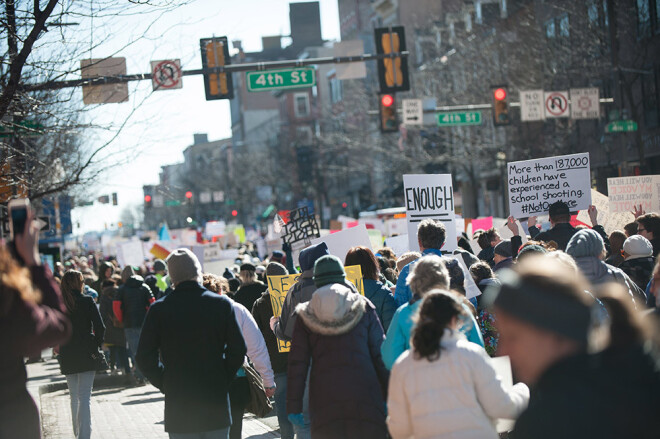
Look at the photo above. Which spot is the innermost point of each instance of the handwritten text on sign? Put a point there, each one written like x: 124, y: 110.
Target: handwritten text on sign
x: 278, y: 287
x: 535, y: 184
x: 430, y: 196
x: 627, y: 193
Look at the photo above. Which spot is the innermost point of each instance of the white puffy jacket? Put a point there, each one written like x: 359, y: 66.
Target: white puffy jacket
x: 457, y: 396
x: 256, y: 346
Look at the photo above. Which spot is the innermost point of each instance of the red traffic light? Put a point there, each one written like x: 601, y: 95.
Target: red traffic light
x: 387, y: 100
x: 344, y: 205
x: 234, y: 212
x: 499, y: 94
x: 189, y: 195
x: 147, y: 198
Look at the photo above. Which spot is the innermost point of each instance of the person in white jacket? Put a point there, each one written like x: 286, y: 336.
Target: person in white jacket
x: 445, y: 386
x: 257, y: 352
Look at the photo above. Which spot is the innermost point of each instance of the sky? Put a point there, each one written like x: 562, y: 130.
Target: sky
x: 162, y: 123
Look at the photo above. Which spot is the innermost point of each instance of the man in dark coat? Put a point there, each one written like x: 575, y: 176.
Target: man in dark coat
x: 195, y: 333
x: 561, y: 232
x: 251, y: 288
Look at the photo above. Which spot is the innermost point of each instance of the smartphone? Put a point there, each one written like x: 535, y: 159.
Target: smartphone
x: 18, y: 215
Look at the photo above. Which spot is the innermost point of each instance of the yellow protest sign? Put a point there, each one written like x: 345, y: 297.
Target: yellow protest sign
x: 278, y: 287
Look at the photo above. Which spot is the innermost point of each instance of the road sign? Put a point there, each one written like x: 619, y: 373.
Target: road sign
x: 24, y: 128
x: 531, y: 105
x: 460, y: 118
x: 281, y: 79
x: 585, y: 103
x: 413, y: 113
x: 166, y: 74
x: 621, y: 126
x: 104, y: 93
x: 556, y: 104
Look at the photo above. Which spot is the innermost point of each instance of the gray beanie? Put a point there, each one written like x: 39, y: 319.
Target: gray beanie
x: 183, y: 265
x: 504, y: 248
x: 585, y: 242
x: 276, y: 269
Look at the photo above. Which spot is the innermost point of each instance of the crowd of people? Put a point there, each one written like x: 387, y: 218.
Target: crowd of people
x: 576, y: 311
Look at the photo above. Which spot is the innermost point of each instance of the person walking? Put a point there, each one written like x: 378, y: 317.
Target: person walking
x: 191, y: 348
x: 130, y: 307
x: 423, y: 376
x: 77, y: 356
x: 115, y: 339
x: 374, y: 290
x: 338, y: 333
x: 32, y: 317
x: 251, y: 288
x: 638, y: 260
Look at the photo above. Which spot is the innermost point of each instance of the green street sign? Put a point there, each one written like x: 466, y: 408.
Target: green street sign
x: 459, y: 118
x: 283, y: 79
x: 172, y: 203
x: 621, y: 126
x: 25, y: 128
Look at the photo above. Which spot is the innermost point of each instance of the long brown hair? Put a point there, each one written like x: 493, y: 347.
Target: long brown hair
x: 436, y: 312
x: 72, y: 286
x: 14, y: 278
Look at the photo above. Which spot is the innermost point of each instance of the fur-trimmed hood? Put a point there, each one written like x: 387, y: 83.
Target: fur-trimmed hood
x: 334, y: 309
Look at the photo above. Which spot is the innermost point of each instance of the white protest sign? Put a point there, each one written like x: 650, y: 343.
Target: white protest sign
x: 502, y: 366
x: 610, y: 221
x: 627, y: 193
x: 471, y: 288
x: 535, y: 184
x: 556, y: 104
x: 585, y: 103
x: 531, y: 105
x: 506, y: 233
x: 130, y: 253
x: 413, y: 113
x: 398, y: 244
x: 430, y: 196
x: 339, y: 243
x: 398, y: 226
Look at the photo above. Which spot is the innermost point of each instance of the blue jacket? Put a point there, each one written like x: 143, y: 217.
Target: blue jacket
x: 402, y: 294
x: 398, y: 335
x: 382, y: 299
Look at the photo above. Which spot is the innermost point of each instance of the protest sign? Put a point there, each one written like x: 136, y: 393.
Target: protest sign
x: 130, y: 253
x: 627, y: 193
x: 471, y: 288
x: 535, y: 184
x: 339, y: 243
x: 354, y: 275
x: 482, y: 223
x: 398, y: 244
x: 609, y: 221
x: 376, y: 238
x: 301, y: 226
x: 430, y: 196
x: 396, y: 226
x: 502, y: 366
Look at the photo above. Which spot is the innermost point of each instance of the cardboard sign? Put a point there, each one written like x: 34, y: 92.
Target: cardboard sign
x: 301, y: 226
x: 430, y: 196
x: 471, y: 288
x: 130, y: 253
x: 376, y: 238
x: 609, y: 221
x: 535, y: 184
x: 502, y: 366
x: 482, y: 223
x: 398, y: 244
x: 341, y: 242
x: 627, y: 193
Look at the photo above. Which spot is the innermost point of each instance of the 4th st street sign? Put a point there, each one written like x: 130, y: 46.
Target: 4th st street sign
x: 281, y: 79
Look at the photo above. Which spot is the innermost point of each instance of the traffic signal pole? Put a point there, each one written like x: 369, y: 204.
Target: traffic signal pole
x: 259, y: 66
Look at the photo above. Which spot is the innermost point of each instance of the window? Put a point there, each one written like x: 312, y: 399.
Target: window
x: 643, y: 18
x: 564, y: 26
x: 650, y: 98
x: 301, y: 104
x: 597, y: 14
x: 336, y: 94
x: 550, y: 29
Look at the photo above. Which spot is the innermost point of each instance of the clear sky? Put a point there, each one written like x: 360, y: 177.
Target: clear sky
x: 165, y: 121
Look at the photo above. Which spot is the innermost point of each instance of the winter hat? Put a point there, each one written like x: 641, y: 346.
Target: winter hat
x: 504, y: 249
x: 328, y: 269
x: 333, y: 309
x: 183, y: 265
x: 530, y: 250
x: 234, y: 284
x: 637, y: 246
x: 228, y: 274
x: 248, y: 267
x: 276, y: 269
x: 585, y: 242
x: 159, y: 265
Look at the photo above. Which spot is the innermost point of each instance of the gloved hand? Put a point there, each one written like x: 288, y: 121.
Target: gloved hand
x: 297, y: 419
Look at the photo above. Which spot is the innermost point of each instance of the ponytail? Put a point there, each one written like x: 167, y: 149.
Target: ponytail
x: 435, y: 314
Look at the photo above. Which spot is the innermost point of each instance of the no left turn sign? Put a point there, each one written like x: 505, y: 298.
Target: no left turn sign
x: 556, y: 104
x: 166, y: 74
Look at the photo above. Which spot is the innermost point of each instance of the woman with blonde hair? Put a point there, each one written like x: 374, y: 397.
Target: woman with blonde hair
x: 77, y: 356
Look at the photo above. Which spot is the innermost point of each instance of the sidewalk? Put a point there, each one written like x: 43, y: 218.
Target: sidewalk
x: 117, y: 411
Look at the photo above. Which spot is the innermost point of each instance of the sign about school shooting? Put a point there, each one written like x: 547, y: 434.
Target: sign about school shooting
x: 627, y: 193
x: 430, y: 196
x: 535, y: 184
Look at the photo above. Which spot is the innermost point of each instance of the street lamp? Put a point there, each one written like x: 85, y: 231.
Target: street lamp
x: 189, y: 220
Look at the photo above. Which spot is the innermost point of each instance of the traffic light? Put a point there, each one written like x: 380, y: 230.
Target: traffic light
x: 215, y: 53
x: 114, y: 199
x: 234, y: 213
x: 392, y: 72
x: 189, y: 196
x: 147, y: 201
x: 500, y: 106
x: 388, y: 119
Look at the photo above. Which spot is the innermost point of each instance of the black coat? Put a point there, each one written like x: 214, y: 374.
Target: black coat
x: 86, y: 338
x: 262, y: 311
x: 248, y: 294
x: 611, y: 395
x: 114, y: 330
x: 195, y: 333
x: 561, y: 233
x: 135, y: 297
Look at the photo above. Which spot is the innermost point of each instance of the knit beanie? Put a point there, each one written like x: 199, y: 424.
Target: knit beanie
x: 276, y: 269
x: 530, y: 250
x: 504, y: 249
x: 637, y: 246
x: 328, y: 269
x: 585, y: 242
x: 159, y: 265
x: 183, y: 265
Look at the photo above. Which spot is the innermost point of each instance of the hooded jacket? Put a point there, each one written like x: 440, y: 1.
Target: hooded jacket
x: 132, y: 301
x: 301, y: 291
x: 382, y: 299
x: 338, y: 333
x: 598, y: 272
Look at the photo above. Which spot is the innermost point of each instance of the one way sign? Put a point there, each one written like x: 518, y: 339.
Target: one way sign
x: 413, y: 113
